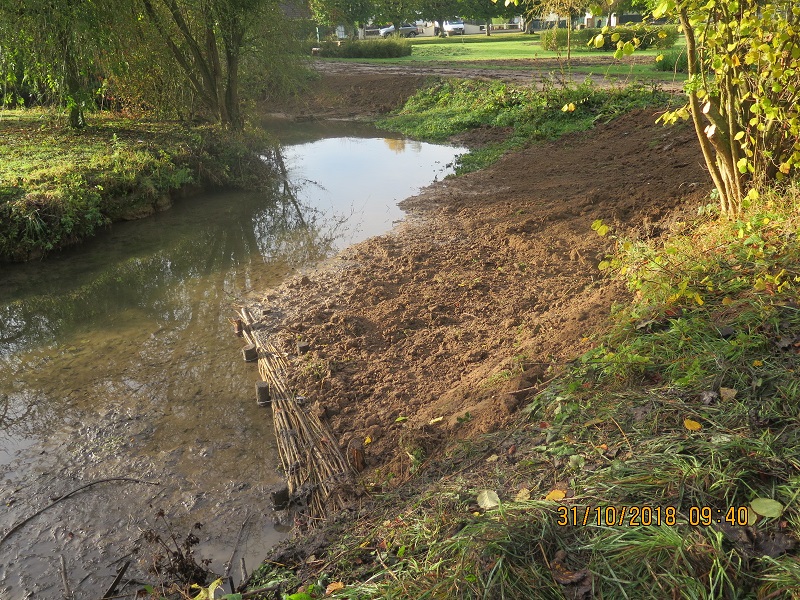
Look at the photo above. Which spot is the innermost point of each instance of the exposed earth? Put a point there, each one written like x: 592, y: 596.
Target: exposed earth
x: 440, y: 330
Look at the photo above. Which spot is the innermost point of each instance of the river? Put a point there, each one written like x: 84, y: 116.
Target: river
x: 118, y: 362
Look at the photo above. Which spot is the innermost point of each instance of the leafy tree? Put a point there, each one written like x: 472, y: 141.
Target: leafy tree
x: 439, y: 11
x: 396, y: 12
x: 341, y: 12
x: 55, y: 46
x: 567, y: 8
x: 743, y: 87
x: 207, y: 40
x: 485, y: 10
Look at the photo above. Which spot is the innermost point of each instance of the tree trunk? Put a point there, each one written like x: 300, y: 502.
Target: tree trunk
x: 488, y: 27
x: 720, y: 164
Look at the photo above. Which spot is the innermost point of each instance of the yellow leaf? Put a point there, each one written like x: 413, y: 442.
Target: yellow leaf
x: 436, y: 420
x: 692, y: 425
x: 556, y: 495
x: 332, y: 587
x: 367, y: 440
x: 727, y: 394
x: 523, y: 495
x: 758, y: 363
x: 727, y: 301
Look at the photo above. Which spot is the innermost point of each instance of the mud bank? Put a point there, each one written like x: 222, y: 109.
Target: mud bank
x: 439, y: 331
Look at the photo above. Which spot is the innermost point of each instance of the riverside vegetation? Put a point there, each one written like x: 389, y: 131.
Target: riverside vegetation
x: 58, y: 186
x: 661, y: 463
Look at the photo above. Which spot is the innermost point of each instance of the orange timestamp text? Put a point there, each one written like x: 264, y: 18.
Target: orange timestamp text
x: 638, y: 516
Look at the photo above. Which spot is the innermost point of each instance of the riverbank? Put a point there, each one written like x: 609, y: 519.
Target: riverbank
x: 470, y: 357
x: 58, y: 187
x: 524, y: 425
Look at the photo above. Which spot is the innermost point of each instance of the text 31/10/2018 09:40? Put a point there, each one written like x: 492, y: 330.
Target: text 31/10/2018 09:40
x: 636, y: 516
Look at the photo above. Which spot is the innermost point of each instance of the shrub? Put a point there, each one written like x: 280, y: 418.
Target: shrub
x: 649, y: 36
x: 388, y: 48
x: 674, y: 61
x: 661, y: 37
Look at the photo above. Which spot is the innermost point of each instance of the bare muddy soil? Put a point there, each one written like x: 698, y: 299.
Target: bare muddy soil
x: 437, y: 331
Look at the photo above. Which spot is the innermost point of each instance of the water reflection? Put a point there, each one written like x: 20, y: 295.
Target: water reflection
x: 117, y: 357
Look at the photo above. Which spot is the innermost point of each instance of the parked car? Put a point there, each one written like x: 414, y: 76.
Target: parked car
x: 454, y: 27
x: 406, y: 30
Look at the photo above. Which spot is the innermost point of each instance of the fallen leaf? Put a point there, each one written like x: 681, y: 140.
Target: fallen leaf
x: 492, y: 458
x: 400, y: 419
x: 758, y: 363
x: 332, y: 587
x: 436, y: 420
x: 727, y: 394
x: 767, y: 507
x: 709, y: 397
x: 488, y: 499
x: 367, y: 440
x: 556, y: 495
x: 523, y: 495
x: 692, y: 425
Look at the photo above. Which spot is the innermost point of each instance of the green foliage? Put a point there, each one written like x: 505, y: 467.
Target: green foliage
x: 57, y: 188
x: 380, y: 48
x: 453, y: 106
x: 743, y: 86
x: 674, y: 61
x: 733, y: 277
x: 643, y: 36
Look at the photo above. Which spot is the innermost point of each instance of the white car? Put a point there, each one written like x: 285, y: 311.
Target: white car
x: 454, y: 27
x: 406, y: 30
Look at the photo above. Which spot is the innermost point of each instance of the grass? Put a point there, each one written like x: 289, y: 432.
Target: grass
x: 455, y: 106
x: 685, y: 414
x: 509, y: 46
x: 58, y: 186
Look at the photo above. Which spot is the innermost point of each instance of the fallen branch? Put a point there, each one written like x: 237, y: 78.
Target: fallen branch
x: 65, y: 579
x: 236, y: 545
x: 270, y: 588
x: 19, y: 525
x: 113, y: 587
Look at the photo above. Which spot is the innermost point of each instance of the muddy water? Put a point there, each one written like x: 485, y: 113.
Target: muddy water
x: 117, y: 362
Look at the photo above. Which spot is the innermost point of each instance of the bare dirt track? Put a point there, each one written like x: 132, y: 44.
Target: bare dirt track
x: 358, y: 90
x: 440, y: 330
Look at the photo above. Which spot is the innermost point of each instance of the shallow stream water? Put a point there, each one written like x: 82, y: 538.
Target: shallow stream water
x: 118, y: 362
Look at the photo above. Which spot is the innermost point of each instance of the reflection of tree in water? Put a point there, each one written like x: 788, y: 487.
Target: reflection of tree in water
x: 196, y: 268
x: 291, y: 233
x: 20, y: 414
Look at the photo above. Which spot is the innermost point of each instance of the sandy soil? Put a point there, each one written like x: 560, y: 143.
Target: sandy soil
x: 439, y: 330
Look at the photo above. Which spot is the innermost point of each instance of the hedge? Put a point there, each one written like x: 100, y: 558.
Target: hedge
x: 649, y: 36
x: 382, y: 48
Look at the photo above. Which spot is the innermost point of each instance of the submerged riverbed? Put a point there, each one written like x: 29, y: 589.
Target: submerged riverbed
x: 118, y: 361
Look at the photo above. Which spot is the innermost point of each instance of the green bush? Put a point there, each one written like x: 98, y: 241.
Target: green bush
x: 674, y: 61
x: 649, y: 36
x: 382, y: 48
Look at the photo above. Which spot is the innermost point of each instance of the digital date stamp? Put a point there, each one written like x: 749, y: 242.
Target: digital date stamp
x: 644, y: 515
